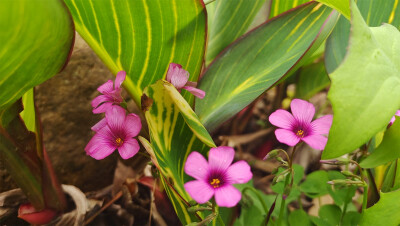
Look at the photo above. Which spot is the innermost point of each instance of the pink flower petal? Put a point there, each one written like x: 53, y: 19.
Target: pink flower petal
x: 220, y: 158
x: 287, y: 137
x: 180, y: 78
x: 197, y: 92
x: 316, y: 141
x: 322, y: 125
x: 199, y: 190
x: 106, y: 87
x: 102, y: 108
x: 101, y: 99
x: 133, y: 125
x: 172, y: 69
x: 115, y: 116
x: 129, y: 148
x: 394, y: 118
x: 227, y: 196
x: 99, y: 147
x: 302, y: 110
x: 120, y: 77
x: 196, y: 166
x: 282, y: 118
x: 100, y: 125
x: 239, y: 173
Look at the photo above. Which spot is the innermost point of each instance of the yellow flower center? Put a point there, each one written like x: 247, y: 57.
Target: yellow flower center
x: 119, y: 142
x: 300, y: 133
x: 215, y: 183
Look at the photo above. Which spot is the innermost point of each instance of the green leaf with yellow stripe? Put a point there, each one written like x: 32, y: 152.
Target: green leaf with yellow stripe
x: 374, y: 13
x: 36, y: 38
x: 259, y: 59
x: 231, y: 19
x: 142, y: 37
x: 280, y: 6
x: 175, y: 131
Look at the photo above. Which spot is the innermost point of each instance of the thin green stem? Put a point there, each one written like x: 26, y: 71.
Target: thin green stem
x: 258, y: 196
x: 344, y: 208
x: 291, y: 157
x: 283, y: 201
x: 365, y: 195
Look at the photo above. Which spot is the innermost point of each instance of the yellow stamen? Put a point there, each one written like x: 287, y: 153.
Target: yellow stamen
x: 215, y: 183
x: 300, y: 133
x: 119, y: 142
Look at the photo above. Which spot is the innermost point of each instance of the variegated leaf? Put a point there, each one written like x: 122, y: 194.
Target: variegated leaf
x: 36, y: 38
x: 175, y: 131
x: 259, y: 59
x: 142, y: 37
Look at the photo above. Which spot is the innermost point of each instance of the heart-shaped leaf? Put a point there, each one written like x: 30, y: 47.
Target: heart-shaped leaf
x: 142, y: 37
x: 384, y: 212
x: 374, y: 13
x: 366, y: 86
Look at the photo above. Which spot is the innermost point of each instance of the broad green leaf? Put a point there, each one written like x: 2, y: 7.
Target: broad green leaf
x: 364, y: 84
x: 36, y: 39
x: 388, y: 150
x: 330, y: 214
x: 230, y: 20
x: 175, y: 132
x: 299, y: 217
x: 315, y: 184
x: 258, y: 60
x: 351, y: 218
x: 384, y: 212
x: 374, y: 13
x: 312, y: 79
x: 142, y: 37
x: 280, y: 6
x: 341, y: 6
x: 28, y: 114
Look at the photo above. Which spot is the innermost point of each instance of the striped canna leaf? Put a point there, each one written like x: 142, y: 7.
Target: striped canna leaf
x: 175, y: 131
x: 231, y: 19
x: 280, y: 6
x: 142, y: 37
x: 36, y: 39
x: 259, y: 59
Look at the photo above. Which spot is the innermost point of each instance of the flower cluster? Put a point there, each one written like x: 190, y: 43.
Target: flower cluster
x: 117, y: 129
x: 179, y: 77
x: 299, y: 126
x: 215, y: 177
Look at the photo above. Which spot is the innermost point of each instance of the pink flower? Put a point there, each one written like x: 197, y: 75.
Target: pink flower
x: 116, y: 131
x: 111, y: 94
x: 394, y: 118
x: 215, y: 177
x: 179, y: 78
x: 298, y: 127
